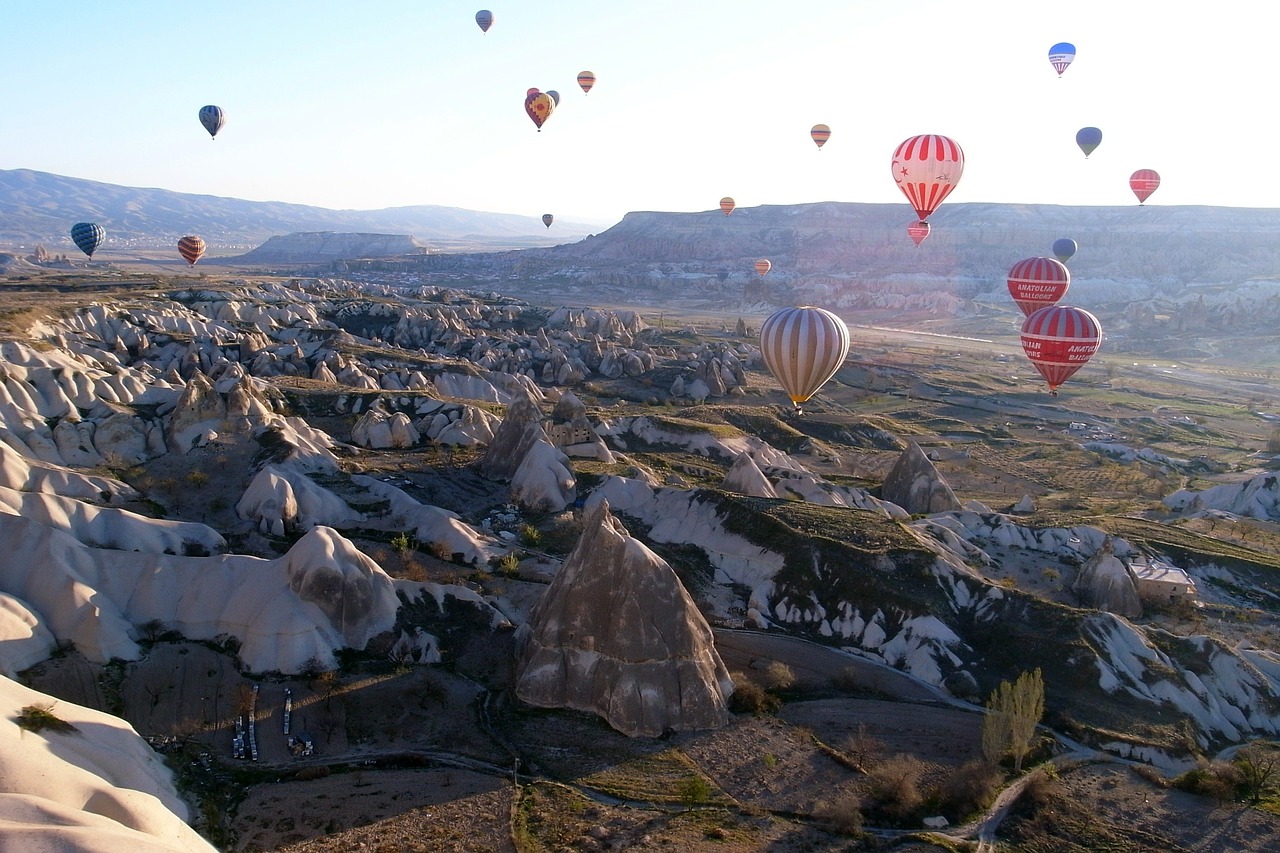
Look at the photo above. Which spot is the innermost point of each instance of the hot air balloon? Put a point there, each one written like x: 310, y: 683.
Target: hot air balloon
x: 918, y: 231
x: 1064, y: 248
x: 926, y: 169
x: 191, y: 248
x: 763, y: 266
x: 88, y: 236
x: 1037, y: 282
x: 539, y: 106
x: 1143, y: 183
x: 213, y: 119
x: 547, y: 219
x: 1088, y: 138
x: 1059, y: 340
x: 727, y: 205
x: 555, y: 96
x: 820, y: 133
x: 485, y: 19
x: 803, y: 348
x: 1060, y: 56
x: 586, y: 80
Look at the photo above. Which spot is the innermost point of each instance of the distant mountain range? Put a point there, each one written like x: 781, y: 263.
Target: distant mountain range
x: 38, y: 207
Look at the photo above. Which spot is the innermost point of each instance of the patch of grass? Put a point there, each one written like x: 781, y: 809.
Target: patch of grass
x: 39, y: 718
x: 663, y: 777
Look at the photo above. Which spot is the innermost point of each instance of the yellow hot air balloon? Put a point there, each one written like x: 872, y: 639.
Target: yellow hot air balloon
x: 727, y: 205
x: 763, y: 266
x: 538, y: 105
x: 803, y: 348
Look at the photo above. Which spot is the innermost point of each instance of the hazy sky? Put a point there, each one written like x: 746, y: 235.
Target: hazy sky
x: 382, y: 103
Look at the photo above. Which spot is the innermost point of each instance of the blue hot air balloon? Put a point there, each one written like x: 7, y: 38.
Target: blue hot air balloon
x: 484, y: 19
x: 1060, y: 55
x: 88, y: 236
x: 213, y: 119
x: 1064, y: 248
x: 1088, y: 138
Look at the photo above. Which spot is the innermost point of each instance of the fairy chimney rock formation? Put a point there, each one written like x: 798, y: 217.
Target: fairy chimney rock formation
x: 916, y: 486
x: 746, y: 478
x: 616, y: 634
x: 1104, y: 583
x: 521, y: 427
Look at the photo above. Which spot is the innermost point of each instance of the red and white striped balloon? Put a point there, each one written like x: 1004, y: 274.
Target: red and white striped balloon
x: 1059, y: 340
x: 927, y: 168
x: 803, y: 348
x: 1037, y: 282
x: 1143, y: 183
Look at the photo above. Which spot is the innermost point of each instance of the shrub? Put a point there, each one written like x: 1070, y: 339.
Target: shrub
x: 969, y: 788
x: 530, y: 535
x: 402, y: 542
x: 38, y: 718
x: 693, y: 790
x: 509, y: 564
x: 777, y: 676
x: 895, y: 786
x: 842, y: 815
x: 306, y: 774
x: 1218, y: 781
x: 750, y: 698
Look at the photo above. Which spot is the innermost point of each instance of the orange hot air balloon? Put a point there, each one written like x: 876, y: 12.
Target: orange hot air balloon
x: 1059, y: 340
x: 927, y: 168
x: 586, y: 80
x: 1143, y: 183
x: 191, y: 248
x: 803, y: 348
x: 820, y: 133
x: 918, y: 231
x: 727, y: 205
x: 547, y: 219
x: 1037, y: 282
x: 539, y: 106
x: 763, y: 266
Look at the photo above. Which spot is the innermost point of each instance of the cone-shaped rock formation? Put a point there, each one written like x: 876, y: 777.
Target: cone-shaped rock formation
x: 616, y: 634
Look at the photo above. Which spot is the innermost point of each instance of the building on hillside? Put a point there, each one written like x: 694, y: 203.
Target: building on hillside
x: 1161, y: 583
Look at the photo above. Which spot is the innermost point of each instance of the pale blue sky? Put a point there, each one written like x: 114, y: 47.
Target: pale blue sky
x: 383, y: 103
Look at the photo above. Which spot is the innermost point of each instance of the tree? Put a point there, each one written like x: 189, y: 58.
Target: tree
x: 1259, y: 766
x: 1013, y: 711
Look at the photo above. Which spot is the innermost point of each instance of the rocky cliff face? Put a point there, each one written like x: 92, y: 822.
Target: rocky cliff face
x: 323, y: 246
x: 616, y: 634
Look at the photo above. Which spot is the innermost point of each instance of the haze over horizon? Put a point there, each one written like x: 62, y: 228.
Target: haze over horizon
x: 396, y: 104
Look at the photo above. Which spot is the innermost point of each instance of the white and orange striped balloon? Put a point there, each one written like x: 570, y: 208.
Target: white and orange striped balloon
x: 803, y: 348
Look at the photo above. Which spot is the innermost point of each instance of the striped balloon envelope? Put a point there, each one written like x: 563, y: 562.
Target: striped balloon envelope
x: 1059, y: 340
x: 1061, y: 55
x: 586, y: 80
x: 926, y: 169
x: 191, y: 248
x: 803, y: 348
x: 1037, y: 282
x: 820, y: 134
x: 1143, y: 183
x: 763, y: 265
x: 88, y: 236
x: 727, y: 205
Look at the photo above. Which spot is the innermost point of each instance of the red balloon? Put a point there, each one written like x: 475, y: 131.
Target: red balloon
x: 727, y: 205
x: 1037, y: 282
x: 763, y: 266
x: 1143, y: 183
x: 1059, y: 340
x: 926, y: 169
x: 918, y: 231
